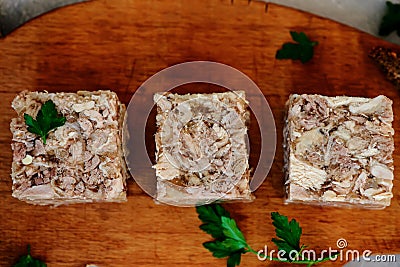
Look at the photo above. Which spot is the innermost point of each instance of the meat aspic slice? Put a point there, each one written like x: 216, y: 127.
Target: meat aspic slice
x: 82, y: 161
x: 201, y: 149
x: 338, y: 150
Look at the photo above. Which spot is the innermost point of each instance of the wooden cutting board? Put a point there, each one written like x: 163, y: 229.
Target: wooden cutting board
x: 118, y: 45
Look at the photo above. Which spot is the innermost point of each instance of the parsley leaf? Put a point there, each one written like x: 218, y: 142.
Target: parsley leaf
x: 231, y: 230
x: 211, y: 216
x: 288, y: 233
x: 234, y: 259
x: 29, y: 261
x: 391, y: 20
x: 222, y: 249
x: 229, y: 240
x: 47, y: 119
x: 302, y: 50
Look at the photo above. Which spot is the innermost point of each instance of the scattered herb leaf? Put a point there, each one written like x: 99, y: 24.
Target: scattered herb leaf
x: 234, y: 259
x: 29, y: 261
x: 222, y: 249
x: 288, y: 233
x: 47, y: 119
x: 302, y: 50
x: 229, y: 242
x: 391, y: 20
x: 211, y: 217
x: 231, y: 230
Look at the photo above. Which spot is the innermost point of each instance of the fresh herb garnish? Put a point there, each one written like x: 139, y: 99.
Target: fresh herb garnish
x: 47, y: 119
x: 391, y: 20
x: 288, y: 234
x: 29, y: 261
x: 302, y: 50
x: 230, y: 242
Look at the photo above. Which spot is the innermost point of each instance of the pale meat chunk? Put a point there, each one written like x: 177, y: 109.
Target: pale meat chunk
x: 82, y: 161
x: 338, y: 151
x: 201, y: 149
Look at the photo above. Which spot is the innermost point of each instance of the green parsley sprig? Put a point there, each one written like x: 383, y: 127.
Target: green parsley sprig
x: 288, y: 234
x: 302, y: 50
x: 391, y: 20
x: 29, y: 261
x: 47, y: 119
x: 229, y: 241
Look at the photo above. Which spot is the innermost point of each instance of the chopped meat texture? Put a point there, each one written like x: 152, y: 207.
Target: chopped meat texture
x: 201, y: 149
x: 82, y: 161
x: 387, y: 60
x: 338, y: 150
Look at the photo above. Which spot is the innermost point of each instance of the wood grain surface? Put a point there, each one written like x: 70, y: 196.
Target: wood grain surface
x: 118, y: 45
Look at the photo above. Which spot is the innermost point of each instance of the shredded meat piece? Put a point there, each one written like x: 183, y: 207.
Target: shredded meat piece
x: 92, y: 164
x: 388, y: 61
x: 39, y: 148
x: 86, y: 126
x: 19, y: 151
